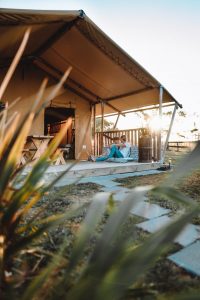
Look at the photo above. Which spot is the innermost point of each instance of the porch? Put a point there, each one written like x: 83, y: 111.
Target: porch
x: 103, y: 139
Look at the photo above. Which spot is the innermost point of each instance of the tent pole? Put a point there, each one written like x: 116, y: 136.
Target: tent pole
x: 169, y: 131
x: 159, y: 150
x: 115, y: 125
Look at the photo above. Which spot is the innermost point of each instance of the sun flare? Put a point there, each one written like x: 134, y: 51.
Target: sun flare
x: 155, y: 123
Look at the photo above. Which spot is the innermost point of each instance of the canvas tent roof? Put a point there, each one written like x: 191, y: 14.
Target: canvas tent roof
x: 101, y: 69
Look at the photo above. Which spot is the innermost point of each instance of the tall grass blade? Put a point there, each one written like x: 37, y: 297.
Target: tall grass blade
x: 94, y: 215
x: 44, y: 225
x: 14, y: 62
x: 14, y: 154
x: 187, y: 165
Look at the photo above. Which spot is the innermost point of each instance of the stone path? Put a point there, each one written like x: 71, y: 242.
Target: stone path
x: 156, y: 217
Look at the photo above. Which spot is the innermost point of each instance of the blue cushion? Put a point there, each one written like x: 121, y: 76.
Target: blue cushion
x: 134, y: 153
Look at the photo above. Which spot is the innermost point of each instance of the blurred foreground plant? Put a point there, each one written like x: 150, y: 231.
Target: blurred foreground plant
x: 18, y: 196
x: 114, y: 262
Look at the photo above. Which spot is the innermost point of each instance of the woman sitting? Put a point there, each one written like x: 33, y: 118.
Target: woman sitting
x: 120, y: 148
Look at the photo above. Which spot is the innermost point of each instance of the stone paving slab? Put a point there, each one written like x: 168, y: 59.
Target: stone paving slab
x: 121, y: 195
x: 124, y: 175
x: 132, y: 174
x: 105, y: 179
x: 188, y: 258
x: 154, y: 225
x: 188, y: 235
x: 112, y: 189
x: 149, y: 211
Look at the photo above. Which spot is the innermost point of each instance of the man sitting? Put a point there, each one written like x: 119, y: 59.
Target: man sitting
x: 119, y: 149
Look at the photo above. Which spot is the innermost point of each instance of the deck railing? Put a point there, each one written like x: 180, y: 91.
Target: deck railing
x: 103, y: 139
x: 181, y: 145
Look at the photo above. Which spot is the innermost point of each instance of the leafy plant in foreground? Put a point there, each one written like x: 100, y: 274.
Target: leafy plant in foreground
x: 17, y: 196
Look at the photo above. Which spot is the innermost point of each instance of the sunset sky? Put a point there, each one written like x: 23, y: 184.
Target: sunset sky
x: 162, y: 35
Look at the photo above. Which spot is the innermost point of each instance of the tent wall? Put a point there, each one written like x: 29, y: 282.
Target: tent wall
x: 25, y: 84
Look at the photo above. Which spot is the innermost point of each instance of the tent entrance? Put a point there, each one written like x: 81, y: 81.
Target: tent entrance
x: 54, y: 119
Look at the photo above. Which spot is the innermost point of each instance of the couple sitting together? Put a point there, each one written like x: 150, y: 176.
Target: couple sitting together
x: 119, y: 149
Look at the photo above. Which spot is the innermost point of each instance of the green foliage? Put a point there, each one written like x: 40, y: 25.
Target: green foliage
x: 107, y: 125
x: 182, y: 113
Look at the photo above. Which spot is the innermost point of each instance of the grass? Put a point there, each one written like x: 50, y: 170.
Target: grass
x: 189, y: 186
x: 167, y: 279
x: 155, y: 179
x: 62, y: 199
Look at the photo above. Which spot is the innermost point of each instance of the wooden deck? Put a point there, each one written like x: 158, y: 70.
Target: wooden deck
x: 86, y: 169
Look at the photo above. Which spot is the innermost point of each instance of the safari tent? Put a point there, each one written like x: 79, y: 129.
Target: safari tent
x: 104, y: 78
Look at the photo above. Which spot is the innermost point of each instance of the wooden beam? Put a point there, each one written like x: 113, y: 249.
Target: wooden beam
x: 128, y: 94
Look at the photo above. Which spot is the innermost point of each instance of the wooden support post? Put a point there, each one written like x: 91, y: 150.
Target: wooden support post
x: 169, y: 131
x: 94, y: 129
x: 159, y: 150
x: 102, y: 126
